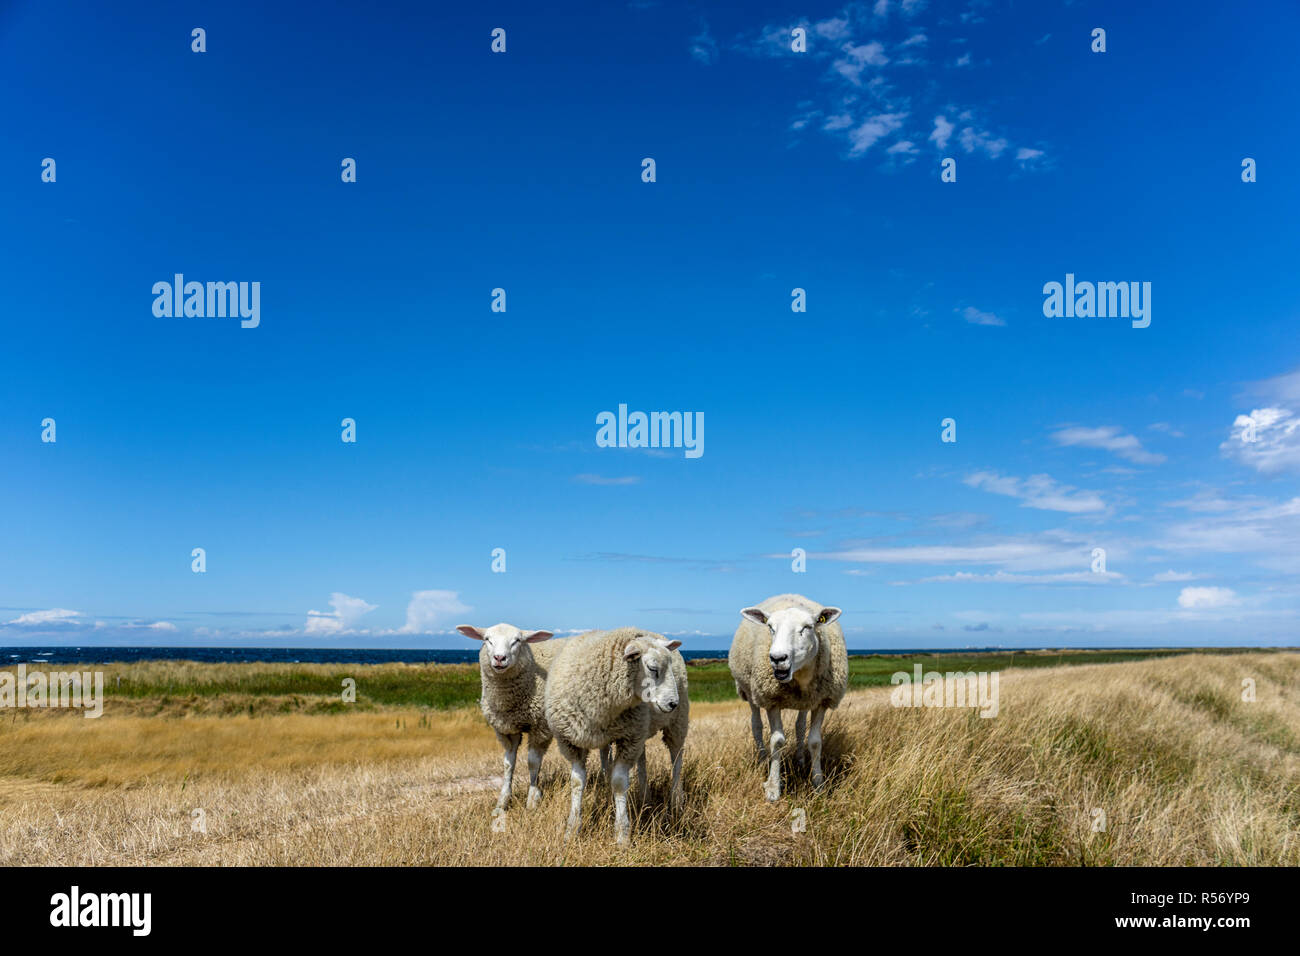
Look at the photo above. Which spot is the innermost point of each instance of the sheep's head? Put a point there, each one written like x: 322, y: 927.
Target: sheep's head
x: 652, y: 656
x: 502, y: 644
x: 795, y: 641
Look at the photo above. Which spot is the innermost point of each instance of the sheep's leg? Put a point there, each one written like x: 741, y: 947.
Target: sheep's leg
x: 756, y: 725
x: 535, y: 753
x: 604, y: 761
x: 815, y: 746
x: 676, y: 796
x: 624, y: 756
x: 773, y: 789
x: 510, y: 745
x: 643, y: 777
x: 799, y: 724
x: 577, y: 781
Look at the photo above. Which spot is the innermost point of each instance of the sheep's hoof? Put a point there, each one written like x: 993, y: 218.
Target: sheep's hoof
x: 772, y: 792
x: 819, y: 780
x: 678, y: 801
x: 624, y: 838
x: 534, y: 797
x: 501, y: 804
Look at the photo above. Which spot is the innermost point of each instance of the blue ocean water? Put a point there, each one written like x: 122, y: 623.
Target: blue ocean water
x: 326, y: 655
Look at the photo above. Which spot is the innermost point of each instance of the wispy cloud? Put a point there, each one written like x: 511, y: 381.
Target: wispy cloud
x: 590, y: 479
x: 1108, y: 438
x: 872, y: 89
x: 1038, y: 491
x: 1197, y: 598
x: 975, y: 317
x: 704, y: 49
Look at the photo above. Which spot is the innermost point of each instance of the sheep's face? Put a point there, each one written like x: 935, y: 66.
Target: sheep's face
x: 795, y: 642
x: 502, y: 645
x: 653, y: 660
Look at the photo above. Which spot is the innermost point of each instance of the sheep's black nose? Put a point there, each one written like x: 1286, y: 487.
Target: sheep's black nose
x: 777, y: 659
x: 673, y: 705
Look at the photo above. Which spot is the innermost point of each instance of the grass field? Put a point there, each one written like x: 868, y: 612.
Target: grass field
x: 283, y: 772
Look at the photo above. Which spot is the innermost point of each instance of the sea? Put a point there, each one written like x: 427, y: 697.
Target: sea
x: 10, y: 656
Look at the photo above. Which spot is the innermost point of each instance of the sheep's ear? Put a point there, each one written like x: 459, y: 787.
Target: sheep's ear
x: 470, y: 630
x: 536, y: 637
x: 828, y: 614
x: 754, y: 614
x: 673, y: 645
x: 633, y: 651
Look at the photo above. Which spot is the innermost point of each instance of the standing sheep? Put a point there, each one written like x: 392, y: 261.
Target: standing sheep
x: 789, y: 653
x: 603, y: 689
x: 513, y: 698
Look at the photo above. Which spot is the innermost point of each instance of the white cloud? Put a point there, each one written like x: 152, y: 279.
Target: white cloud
x: 1007, y: 577
x: 942, y: 132
x: 857, y: 57
x: 57, y: 615
x: 704, y: 49
x: 1049, y: 552
x: 1268, y: 529
x: 347, y: 612
x: 975, y: 317
x: 1276, y: 440
x: 1169, y: 577
x: 1197, y: 598
x: 1108, y: 438
x: 1038, y: 491
x: 1167, y: 428
x: 866, y: 135
x: 963, y: 60
x: 972, y: 139
x: 429, y: 609
x: 590, y: 479
x: 833, y: 28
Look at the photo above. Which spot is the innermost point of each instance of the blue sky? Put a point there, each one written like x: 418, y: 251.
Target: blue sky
x: 775, y: 170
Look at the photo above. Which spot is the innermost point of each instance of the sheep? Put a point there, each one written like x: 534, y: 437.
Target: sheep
x: 603, y: 688
x: 513, y: 698
x: 789, y: 653
x: 673, y: 725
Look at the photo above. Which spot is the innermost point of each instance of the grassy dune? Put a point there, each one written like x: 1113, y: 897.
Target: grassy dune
x: 1184, y: 771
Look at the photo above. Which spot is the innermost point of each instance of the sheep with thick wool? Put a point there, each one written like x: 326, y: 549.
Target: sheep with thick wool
x: 616, y: 688
x: 513, y: 700
x: 789, y: 654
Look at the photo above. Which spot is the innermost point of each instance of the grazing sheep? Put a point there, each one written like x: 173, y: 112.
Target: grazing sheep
x: 789, y: 653
x: 513, y: 699
x: 603, y: 688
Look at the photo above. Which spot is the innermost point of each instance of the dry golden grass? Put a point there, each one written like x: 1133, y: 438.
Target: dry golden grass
x: 1185, y: 771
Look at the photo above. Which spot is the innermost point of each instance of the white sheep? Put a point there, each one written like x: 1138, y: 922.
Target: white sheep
x: 513, y: 698
x: 603, y: 688
x: 673, y: 724
x: 789, y: 653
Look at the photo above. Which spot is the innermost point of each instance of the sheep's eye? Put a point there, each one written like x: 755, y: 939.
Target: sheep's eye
x: 654, y: 672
